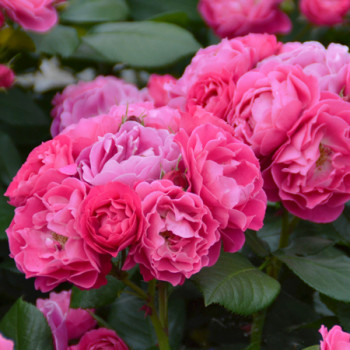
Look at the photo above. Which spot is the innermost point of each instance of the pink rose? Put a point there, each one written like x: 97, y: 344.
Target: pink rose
x: 6, y: 344
x: 335, y: 339
x: 100, y: 339
x: 135, y: 153
x: 88, y: 99
x: 36, y: 15
x: 51, y: 159
x: 180, y: 235
x: 7, y: 77
x: 65, y: 323
x: 45, y: 242
x: 267, y: 103
x: 111, y: 218
x: 310, y: 172
x: 325, y: 12
x: 156, y: 88
x: 231, y: 18
x: 225, y: 173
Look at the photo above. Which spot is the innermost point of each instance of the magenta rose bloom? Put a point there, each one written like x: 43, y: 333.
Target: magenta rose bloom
x: 52, y: 159
x: 135, y: 153
x: 310, y: 173
x: 335, y: 339
x: 88, y: 99
x: 111, y: 218
x: 325, y: 12
x: 65, y: 323
x: 156, y: 88
x: 7, y: 77
x: 267, y: 103
x: 230, y: 18
x: 36, y: 15
x: 180, y: 235
x: 209, y: 81
x: 225, y: 173
x: 100, y: 339
x: 6, y: 344
x: 45, y: 242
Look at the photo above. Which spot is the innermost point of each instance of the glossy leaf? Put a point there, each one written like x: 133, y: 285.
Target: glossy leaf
x: 27, y: 327
x: 237, y: 285
x: 314, y: 347
x: 142, y: 44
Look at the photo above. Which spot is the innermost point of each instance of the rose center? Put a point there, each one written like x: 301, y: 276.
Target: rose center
x: 325, y: 152
x: 59, y: 239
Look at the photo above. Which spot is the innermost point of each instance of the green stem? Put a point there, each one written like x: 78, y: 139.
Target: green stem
x: 163, y: 304
x: 162, y: 336
x: 257, y: 330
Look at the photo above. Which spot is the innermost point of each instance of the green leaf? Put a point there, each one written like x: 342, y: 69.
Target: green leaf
x: 15, y: 39
x: 6, y: 215
x: 314, y: 347
x: 142, y: 44
x: 237, y: 285
x: 27, y: 327
x: 327, y: 272
x: 177, y: 321
x: 96, y: 297
x: 92, y: 11
x: 257, y: 245
x: 18, y: 109
x: 61, y: 40
x: 179, y: 18
x: 10, y: 162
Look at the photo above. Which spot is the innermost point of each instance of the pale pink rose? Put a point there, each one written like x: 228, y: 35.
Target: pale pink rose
x: 6, y: 344
x: 230, y: 18
x: 325, y: 12
x: 156, y: 88
x: 45, y: 242
x: 225, y: 173
x: 88, y: 99
x: 310, y: 172
x: 111, y: 218
x: 36, y: 15
x: 65, y: 323
x: 209, y: 81
x: 267, y: 103
x: 329, y: 65
x: 7, y: 77
x: 180, y: 235
x: 135, y: 153
x: 100, y: 339
x: 335, y: 339
x: 51, y: 159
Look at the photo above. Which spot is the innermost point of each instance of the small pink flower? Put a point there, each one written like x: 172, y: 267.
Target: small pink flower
x: 335, y: 339
x: 310, y: 172
x: 225, y: 173
x: 46, y: 243
x: 231, y: 18
x: 7, y: 77
x: 111, y: 218
x: 65, y: 323
x: 36, y: 15
x: 156, y: 88
x: 6, y: 344
x: 180, y: 235
x: 100, y: 339
x: 88, y: 99
x: 325, y: 12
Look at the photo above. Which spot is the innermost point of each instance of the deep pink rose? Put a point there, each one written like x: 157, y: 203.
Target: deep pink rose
x: 45, y: 242
x: 111, y: 218
x: 100, y: 339
x: 65, y: 323
x: 7, y: 77
x: 325, y: 12
x: 6, y: 344
x: 88, y: 99
x: 180, y: 235
x: 52, y: 159
x: 310, y: 172
x: 231, y: 18
x: 156, y: 88
x: 329, y: 65
x: 135, y: 153
x: 335, y: 339
x: 267, y: 103
x: 36, y: 15
x: 225, y: 173
x: 209, y: 81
